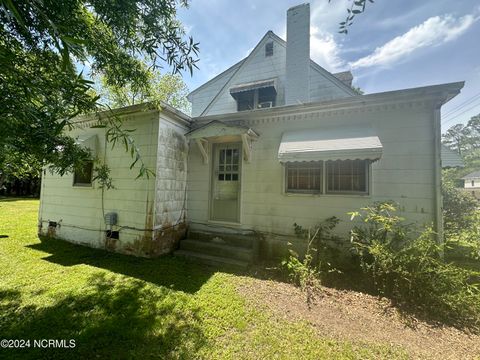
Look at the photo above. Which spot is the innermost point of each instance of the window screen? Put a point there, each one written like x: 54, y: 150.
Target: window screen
x: 347, y: 176
x: 246, y: 100
x: 304, y: 177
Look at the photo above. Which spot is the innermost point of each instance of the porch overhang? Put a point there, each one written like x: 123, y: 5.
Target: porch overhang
x: 330, y: 144
x: 218, y: 132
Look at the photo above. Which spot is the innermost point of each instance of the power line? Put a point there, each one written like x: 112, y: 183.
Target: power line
x: 458, y: 107
x: 463, y: 112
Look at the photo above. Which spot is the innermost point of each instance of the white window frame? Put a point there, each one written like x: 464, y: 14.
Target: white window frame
x: 324, y: 192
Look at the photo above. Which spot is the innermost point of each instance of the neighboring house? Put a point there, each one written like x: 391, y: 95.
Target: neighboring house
x: 274, y: 140
x: 472, y: 184
x: 451, y: 158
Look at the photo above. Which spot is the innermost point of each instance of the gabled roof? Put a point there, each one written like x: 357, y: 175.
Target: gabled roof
x: 333, y: 78
x: 473, y: 175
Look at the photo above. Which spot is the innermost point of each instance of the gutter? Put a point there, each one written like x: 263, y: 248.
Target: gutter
x: 135, y: 109
x: 438, y: 175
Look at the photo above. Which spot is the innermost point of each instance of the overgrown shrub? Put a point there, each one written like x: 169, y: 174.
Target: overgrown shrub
x: 407, y: 267
x: 467, y: 238
x: 306, y: 271
x: 458, y: 210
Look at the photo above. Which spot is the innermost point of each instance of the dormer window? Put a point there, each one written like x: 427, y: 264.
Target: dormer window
x: 269, y: 49
x: 255, y: 95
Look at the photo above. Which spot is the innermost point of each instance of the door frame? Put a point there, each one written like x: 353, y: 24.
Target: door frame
x: 212, y: 179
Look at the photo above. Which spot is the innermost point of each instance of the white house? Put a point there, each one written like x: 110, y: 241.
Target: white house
x: 472, y: 184
x: 274, y: 140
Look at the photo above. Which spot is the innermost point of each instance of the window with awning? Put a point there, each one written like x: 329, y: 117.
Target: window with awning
x: 330, y: 144
x: 255, y: 95
x: 329, y: 161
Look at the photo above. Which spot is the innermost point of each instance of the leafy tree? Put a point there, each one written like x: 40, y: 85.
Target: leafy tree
x: 16, y: 166
x: 167, y: 88
x: 458, y: 206
x: 358, y: 90
x: 465, y: 139
x: 42, y: 41
x: 457, y: 138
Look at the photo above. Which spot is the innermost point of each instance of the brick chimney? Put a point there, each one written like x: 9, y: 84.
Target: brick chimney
x: 297, y: 86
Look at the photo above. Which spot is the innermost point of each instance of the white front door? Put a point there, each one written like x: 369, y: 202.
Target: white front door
x: 225, y: 203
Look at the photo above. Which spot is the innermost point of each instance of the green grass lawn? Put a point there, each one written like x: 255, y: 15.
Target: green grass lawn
x: 119, y: 307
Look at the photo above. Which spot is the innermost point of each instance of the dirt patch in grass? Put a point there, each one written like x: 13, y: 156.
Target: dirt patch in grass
x: 358, y: 317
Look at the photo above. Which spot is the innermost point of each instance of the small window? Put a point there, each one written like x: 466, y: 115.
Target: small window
x: 256, y: 99
x: 83, y: 176
x: 304, y: 177
x: 269, y: 48
x: 347, y: 176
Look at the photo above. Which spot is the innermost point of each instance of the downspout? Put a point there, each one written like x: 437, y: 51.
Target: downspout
x: 438, y: 175
x: 42, y: 194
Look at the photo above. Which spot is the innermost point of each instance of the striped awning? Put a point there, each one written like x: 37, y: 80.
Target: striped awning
x: 253, y: 85
x: 330, y: 144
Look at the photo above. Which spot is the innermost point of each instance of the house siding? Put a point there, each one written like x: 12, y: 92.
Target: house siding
x: 203, y: 97
x: 403, y: 174
x: 171, y: 181
x: 78, y: 210
x: 257, y: 66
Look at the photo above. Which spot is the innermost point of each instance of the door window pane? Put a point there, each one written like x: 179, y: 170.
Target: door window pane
x: 228, y: 166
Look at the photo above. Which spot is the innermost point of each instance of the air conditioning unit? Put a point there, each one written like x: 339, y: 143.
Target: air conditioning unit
x: 265, y: 104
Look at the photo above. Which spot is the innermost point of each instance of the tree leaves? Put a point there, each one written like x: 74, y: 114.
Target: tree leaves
x: 42, y: 42
x: 357, y: 7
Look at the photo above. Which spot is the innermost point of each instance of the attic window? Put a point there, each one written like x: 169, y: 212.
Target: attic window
x: 269, y: 48
x: 256, y: 99
x: 255, y: 95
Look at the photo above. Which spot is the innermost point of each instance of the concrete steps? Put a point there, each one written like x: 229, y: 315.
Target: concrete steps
x: 213, y: 260
x: 218, y: 249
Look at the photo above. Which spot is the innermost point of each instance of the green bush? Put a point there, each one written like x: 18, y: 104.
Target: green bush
x: 458, y: 210
x: 408, y: 268
x: 468, y: 238
x: 306, y: 271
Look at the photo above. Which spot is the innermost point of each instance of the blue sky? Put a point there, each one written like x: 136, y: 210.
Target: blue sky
x: 396, y: 44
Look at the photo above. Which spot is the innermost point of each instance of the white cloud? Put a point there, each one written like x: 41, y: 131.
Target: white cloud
x: 325, y: 50
x: 433, y: 32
